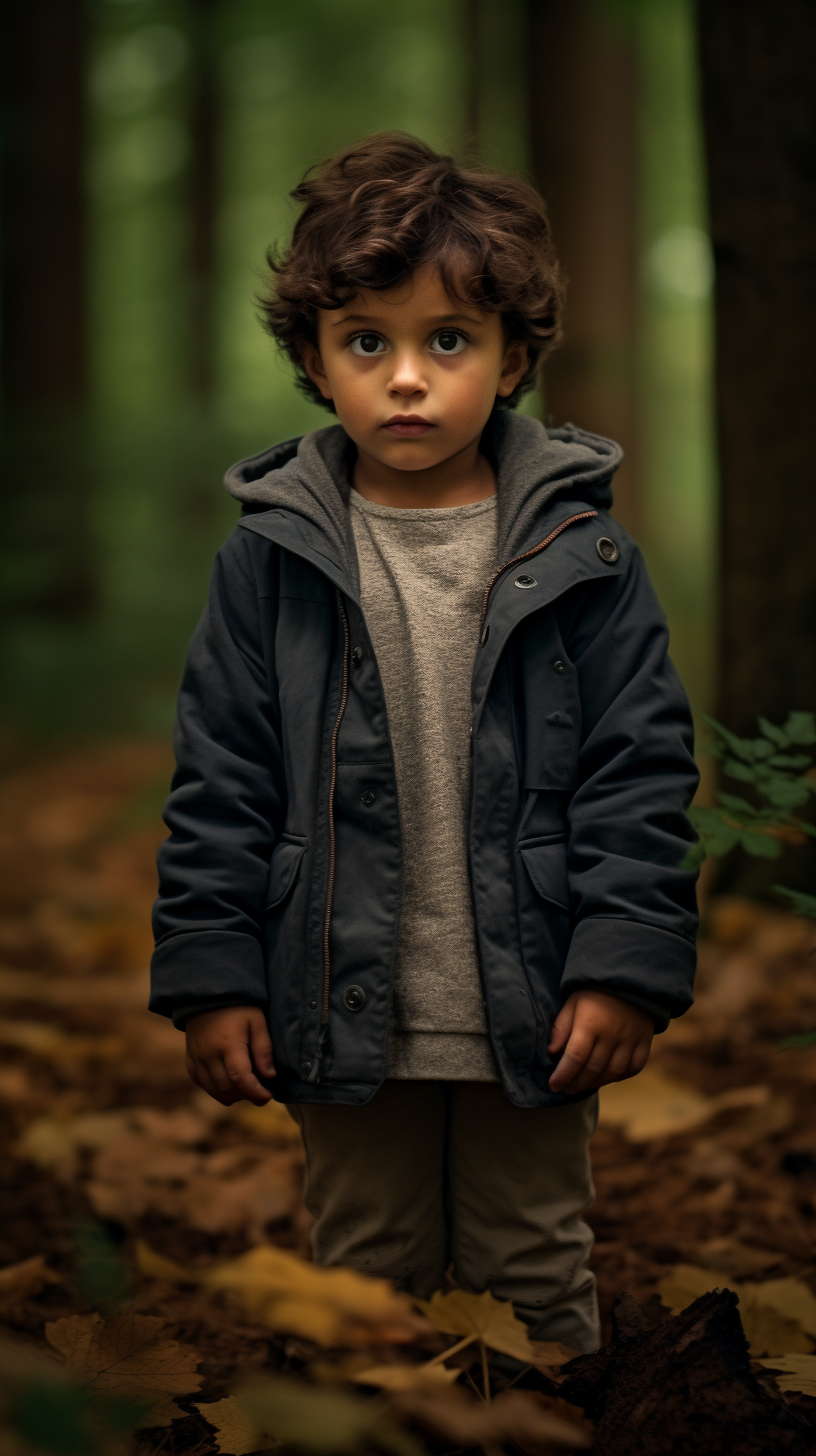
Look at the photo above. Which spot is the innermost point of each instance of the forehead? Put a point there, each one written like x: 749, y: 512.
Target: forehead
x: 422, y: 294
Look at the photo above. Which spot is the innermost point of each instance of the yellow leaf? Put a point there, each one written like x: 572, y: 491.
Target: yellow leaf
x: 329, y: 1306
x: 155, y: 1266
x: 775, y: 1314
x: 798, y: 1372
x: 18, y: 1281
x: 236, y: 1435
x: 273, y: 1122
x: 128, y: 1357
x: 407, y: 1377
x: 492, y: 1320
x: 652, y: 1106
x: 325, y: 1422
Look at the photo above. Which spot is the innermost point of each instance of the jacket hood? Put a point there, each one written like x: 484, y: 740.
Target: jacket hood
x: 310, y: 477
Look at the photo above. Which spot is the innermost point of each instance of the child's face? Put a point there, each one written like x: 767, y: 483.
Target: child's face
x: 412, y: 372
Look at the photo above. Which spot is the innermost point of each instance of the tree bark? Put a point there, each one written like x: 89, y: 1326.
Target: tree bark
x: 203, y: 202
x: 44, y: 339
x: 582, y: 87
x: 759, y: 105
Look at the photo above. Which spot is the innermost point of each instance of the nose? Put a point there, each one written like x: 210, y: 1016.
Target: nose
x: 407, y: 377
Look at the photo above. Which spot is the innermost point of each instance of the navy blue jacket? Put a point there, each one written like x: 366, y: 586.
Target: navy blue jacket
x: 280, y: 882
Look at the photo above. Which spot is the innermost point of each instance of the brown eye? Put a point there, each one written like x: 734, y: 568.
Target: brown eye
x: 367, y: 344
x: 449, y: 341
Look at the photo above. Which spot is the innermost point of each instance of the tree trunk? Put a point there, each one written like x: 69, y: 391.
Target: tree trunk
x: 44, y: 344
x: 584, y: 145
x: 203, y: 202
x: 759, y: 104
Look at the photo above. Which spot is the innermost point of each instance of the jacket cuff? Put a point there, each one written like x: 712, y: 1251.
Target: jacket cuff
x: 651, y: 968
x: 194, y: 969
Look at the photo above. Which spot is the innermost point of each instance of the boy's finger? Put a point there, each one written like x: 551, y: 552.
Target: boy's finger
x: 200, y: 1074
x: 593, y: 1074
x: 562, y: 1027
x: 619, y: 1065
x: 573, y: 1058
x: 242, y: 1079
x: 260, y: 1044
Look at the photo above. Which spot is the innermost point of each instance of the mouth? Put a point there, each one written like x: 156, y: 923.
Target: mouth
x: 408, y: 427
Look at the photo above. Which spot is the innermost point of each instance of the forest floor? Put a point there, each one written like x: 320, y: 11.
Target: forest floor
x: 705, y: 1166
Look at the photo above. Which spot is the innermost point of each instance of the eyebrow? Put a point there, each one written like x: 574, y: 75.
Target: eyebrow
x: 439, y: 320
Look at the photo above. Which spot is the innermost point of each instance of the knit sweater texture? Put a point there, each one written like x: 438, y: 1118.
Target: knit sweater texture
x: 422, y: 577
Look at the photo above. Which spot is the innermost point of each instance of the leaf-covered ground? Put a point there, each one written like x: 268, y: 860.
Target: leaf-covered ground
x: 705, y: 1166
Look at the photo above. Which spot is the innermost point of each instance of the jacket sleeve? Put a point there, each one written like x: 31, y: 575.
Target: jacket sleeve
x: 225, y: 808
x: 635, y: 907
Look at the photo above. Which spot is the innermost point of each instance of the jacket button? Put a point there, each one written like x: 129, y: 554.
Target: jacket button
x: 356, y: 657
x: 312, y: 1005
x: 606, y: 549
x: 354, y: 998
x: 559, y: 666
x: 305, y: 1069
x: 368, y: 798
x: 525, y: 581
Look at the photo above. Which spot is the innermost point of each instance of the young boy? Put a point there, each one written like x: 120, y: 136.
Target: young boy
x: 423, y: 880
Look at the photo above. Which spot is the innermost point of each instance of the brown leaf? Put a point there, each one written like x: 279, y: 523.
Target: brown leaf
x: 797, y: 1373
x: 400, y: 1376
x: 236, y: 1435
x: 776, y: 1314
x: 333, y: 1307
x: 522, y: 1416
x: 128, y: 1357
x: 488, y: 1319
x: 652, y: 1106
x: 18, y: 1281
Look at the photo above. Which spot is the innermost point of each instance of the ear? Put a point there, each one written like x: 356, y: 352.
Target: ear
x: 513, y: 366
x: 313, y: 364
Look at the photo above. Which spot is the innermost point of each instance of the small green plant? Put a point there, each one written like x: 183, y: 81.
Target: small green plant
x: 783, y: 781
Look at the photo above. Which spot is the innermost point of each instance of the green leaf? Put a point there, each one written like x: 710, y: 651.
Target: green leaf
x: 739, y: 746
x: 694, y: 857
x: 784, y: 793
x: 801, y: 728
x: 806, y: 1039
x: 790, y: 760
x: 738, y: 805
x: 802, y: 904
x: 733, y: 769
x: 762, y: 846
x: 777, y: 735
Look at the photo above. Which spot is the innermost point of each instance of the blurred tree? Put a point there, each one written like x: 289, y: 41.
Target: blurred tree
x: 44, y: 337
x: 582, y: 87
x: 203, y: 197
x: 759, y: 103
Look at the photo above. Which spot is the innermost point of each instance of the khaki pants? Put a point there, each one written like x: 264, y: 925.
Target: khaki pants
x: 430, y: 1174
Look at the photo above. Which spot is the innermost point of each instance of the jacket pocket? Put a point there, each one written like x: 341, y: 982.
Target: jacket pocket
x: 546, y: 864
x: 283, y: 868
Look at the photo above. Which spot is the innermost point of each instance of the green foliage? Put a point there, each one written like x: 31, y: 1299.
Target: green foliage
x: 781, y: 782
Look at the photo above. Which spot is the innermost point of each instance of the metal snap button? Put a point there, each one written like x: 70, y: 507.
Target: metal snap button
x: 312, y: 1005
x: 356, y: 657
x: 525, y: 581
x: 559, y: 666
x: 606, y: 549
x: 368, y: 798
x: 354, y: 998
x: 305, y: 1069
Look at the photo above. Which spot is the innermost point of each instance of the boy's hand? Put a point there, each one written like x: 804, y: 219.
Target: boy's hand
x: 601, y: 1038
x: 223, y: 1048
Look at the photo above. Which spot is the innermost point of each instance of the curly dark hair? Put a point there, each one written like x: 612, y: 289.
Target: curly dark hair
x: 376, y: 211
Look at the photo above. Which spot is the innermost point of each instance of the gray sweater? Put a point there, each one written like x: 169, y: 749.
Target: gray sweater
x: 422, y: 577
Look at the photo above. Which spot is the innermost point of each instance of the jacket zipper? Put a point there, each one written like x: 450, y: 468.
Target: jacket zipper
x: 525, y: 556
x: 314, y: 1074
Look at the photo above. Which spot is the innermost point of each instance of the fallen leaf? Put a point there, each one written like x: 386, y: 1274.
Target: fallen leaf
x: 333, y: 1307
x: 652, y: 1106
x: 400, y: 1376
x: 322, y: 1421
x: 533, y: 1421
x: 48, y: 1041
x: 484, y: 1317
x: 273, y: 1122
x: 18, y: 1281
x: 236, y: 1435
x: 550, y: 1355
x: 797, y: 1372
x: 128, y: 1357
x: 776, y: 1314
